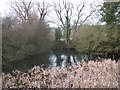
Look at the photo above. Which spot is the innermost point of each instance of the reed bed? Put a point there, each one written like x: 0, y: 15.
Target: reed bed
x: 92, y: 74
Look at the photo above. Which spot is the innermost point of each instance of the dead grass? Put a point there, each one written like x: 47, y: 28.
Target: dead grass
x: 90, y: 75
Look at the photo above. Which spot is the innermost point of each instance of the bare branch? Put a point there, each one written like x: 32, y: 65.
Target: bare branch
x: 43, y: 9
x: 23, y: 9
x: 76, y: 26
x: 79, y: 13
x: 59, y: 12
x: 87, y: 17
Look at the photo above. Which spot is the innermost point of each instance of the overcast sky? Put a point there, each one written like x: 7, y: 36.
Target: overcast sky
x: 5, y: 8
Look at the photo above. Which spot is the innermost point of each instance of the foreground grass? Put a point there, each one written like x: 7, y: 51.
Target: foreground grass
x: 90, y: 75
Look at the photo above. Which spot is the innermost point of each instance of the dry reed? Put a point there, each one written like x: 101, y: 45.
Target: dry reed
x: 92, y: 74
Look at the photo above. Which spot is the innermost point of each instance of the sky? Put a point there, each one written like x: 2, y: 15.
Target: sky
x: 5, y: 7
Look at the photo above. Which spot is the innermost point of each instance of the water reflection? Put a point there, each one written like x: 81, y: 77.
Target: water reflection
x: 24, y: 65
x: 67, y: 58
x: 55, y: 59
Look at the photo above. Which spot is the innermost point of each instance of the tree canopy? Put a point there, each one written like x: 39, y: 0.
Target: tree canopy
x: 110, y: 12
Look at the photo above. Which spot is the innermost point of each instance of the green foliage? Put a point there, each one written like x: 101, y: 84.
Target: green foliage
x: 58, y: 35
x: 39, y: 39
x: 59, y: 41
x: 83, y: 38
x: 97, y: 40
x: 101, y: 39
x: 110, y: 15
x: 11, y: 48
x: 60, y: 45
x: 18, y: 44
x: 110, y: 12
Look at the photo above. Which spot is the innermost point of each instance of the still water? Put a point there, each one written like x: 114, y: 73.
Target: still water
x: 54, y: 59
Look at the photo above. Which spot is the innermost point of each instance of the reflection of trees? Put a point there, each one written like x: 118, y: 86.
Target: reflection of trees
x: 79, y: 58
x: 40, y: 59
x: 71, y: 57
x: 86, y: 57
x: 68, y: 61
x: 28, y: 63
x: 74, y: 59
x: 59, y: 59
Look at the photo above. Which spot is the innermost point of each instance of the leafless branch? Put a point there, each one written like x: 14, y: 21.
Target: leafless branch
x: 43, y: 9
x: 23, y: 9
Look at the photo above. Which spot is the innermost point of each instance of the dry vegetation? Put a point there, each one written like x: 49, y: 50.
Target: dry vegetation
x: 90, y: 75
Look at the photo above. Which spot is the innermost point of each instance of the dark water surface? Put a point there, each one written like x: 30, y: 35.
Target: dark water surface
x: 56, y: 59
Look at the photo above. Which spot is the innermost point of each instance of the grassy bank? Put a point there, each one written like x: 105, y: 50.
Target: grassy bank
x: 96, y: 74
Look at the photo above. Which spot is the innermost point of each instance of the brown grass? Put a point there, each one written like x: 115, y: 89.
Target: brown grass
x: 90, y: 75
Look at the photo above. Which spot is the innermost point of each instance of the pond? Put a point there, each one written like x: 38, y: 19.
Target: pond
x: 55, y: 59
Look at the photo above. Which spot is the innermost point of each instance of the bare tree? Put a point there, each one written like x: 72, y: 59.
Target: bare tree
x: 64, y: 11
x: 43, y: 9
x: 28, y: 11
x: 24, y: 10
x: 78, y: 23
x: 66, y: 20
